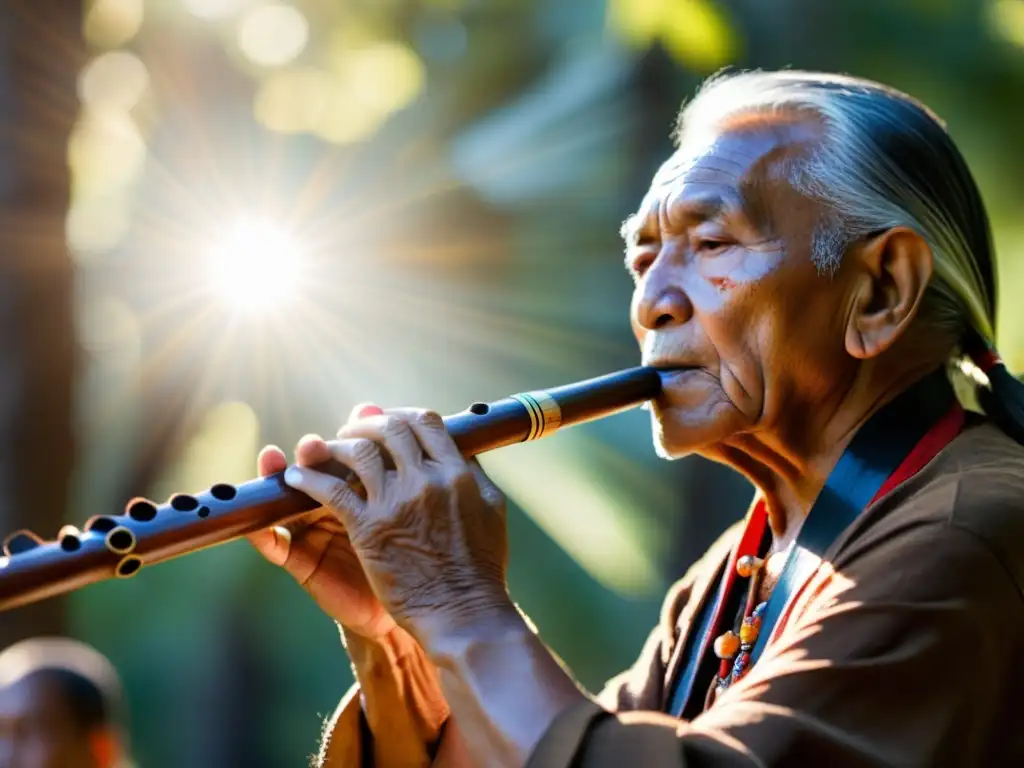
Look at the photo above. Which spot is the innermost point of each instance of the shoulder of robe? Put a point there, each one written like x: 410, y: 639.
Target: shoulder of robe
x: 989, y: 496
x: 975, y: 486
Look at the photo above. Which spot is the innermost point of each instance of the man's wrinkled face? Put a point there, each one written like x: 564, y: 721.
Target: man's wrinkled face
x: 37, y: 729
x: 727, y: 290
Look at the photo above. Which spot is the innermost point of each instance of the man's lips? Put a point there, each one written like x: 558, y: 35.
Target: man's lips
x: 671, y: 369
x: 671, y: 374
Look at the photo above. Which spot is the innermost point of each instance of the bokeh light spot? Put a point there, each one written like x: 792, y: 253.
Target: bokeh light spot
x: 636, y: 21
x: 698, y: 34
x: 95, y: 226
x: 346, y: 123
x: 106, y: 152
x: 214, y: 9
x: 273, y: 35
x: 291, y: 101
x: 383, y: 77
x: 695, y: 32
x: 112, y: 23
x: 1006, y: 17
x: 115, y: 80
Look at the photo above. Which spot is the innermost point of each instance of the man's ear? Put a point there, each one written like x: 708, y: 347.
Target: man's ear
x: 891, y: 272
x: 105, y: 747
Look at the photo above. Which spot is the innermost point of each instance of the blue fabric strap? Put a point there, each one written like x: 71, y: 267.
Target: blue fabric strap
x: 875, y: 452
x: 684, y: 687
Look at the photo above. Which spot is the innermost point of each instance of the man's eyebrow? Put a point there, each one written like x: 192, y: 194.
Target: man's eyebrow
x: 695, y: 210
x: 706, y: 207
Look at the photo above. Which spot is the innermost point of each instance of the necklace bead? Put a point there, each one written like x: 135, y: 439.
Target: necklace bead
x: 749, y: 629
x: 748, y: 565
x: 727, y: 645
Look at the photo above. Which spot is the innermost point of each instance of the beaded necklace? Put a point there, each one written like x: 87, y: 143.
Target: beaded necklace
x: 733, y: 647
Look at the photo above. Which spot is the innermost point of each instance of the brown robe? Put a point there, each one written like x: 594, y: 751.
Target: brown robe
x: 906, y: 648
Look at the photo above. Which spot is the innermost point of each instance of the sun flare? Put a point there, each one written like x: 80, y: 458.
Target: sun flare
x: 255, y: 267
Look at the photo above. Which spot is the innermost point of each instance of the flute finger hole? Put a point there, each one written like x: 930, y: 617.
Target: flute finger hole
x: 21, y: 541
x: 142, y: 510
x: 129, y: 566
x: 121, y: 541
x: 70, y: 543
x: 203, y: 512
x: 183, y: 502
x: 480, y: 409
x: 104, y: 524
x: 223, y: 492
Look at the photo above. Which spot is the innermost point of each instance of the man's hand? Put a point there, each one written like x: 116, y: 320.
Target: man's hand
x: 317, y: 551
x: 429, y: 534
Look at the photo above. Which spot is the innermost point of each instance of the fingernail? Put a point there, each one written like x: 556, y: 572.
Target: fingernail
x: 293, y: 476
x: 364, y: 410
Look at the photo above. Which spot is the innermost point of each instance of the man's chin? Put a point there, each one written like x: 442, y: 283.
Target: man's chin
x: 670, y: 451
x: 677, y: 435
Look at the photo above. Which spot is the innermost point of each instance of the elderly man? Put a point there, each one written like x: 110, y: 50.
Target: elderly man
x: 813, y: 268
x: 61, y: 706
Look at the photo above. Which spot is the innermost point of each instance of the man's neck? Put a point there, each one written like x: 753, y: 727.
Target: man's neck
x: 790, y: 462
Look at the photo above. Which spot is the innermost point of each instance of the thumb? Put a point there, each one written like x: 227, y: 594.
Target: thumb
x: 275, y: 543
x: 331, y: 492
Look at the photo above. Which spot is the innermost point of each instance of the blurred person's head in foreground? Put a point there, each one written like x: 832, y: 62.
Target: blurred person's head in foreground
x: 61, y: 706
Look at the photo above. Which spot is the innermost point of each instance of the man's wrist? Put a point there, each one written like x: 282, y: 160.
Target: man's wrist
x: 447, y: 643
x: 395, y: 674
x: 502, y: 683
x: 363, y: 651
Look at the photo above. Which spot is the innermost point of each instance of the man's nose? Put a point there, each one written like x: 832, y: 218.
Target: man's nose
x: 661, y: 301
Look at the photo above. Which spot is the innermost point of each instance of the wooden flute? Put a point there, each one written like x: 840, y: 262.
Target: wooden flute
x: 118, y: 546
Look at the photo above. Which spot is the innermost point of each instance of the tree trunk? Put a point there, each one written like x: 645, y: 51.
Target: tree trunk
x: 40, y: 54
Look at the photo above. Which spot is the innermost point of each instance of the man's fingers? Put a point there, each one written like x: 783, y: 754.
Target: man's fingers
x: 362, y: 457
x: 330, y: 491
x: 270, y: 460
x: 393, y: 434
x: 431, y: 434
x: 311, y: 451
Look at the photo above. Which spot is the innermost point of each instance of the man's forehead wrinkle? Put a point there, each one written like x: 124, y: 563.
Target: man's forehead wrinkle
x: 747, y: 164
x: 724, y: 163
x: 696, y: 184
x: 681, y: 162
